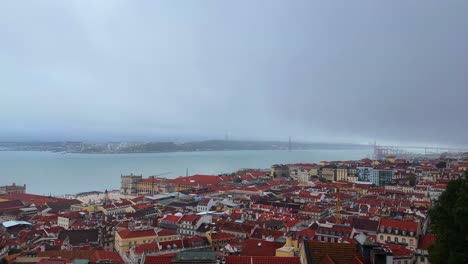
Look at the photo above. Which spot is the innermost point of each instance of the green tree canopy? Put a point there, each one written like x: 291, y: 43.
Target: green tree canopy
x: 412, y: 180
x: 449, y: 222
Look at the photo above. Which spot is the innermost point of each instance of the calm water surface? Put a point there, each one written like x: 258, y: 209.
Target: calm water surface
x: 57, y: 173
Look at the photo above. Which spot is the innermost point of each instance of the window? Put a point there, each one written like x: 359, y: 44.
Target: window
x: 403, y: 240
x: 396, y: 239
x: 411, y: 241
x: 381, y: 237
x: 389, y: 239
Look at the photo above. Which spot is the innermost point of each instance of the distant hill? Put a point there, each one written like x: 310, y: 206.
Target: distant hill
x: 218, y: 145
x: 155, y: 147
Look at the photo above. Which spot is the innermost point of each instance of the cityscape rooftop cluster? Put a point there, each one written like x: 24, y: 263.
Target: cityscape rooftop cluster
x: 364, y: 211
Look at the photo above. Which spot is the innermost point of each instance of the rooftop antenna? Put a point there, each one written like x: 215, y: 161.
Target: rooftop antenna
x: 186, y: 172
x: 289, y: 145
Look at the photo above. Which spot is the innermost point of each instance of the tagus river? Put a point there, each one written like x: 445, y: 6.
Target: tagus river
x: 57, y: 173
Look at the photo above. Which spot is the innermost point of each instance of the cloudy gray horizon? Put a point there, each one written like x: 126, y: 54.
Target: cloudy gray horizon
x: 327, y: 71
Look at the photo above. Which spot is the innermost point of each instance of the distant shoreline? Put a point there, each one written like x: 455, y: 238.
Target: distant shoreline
x: 171, y: 147
x: 179, y: 151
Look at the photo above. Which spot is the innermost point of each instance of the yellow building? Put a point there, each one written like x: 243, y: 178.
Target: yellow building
x: 152, y: 185
x: 342, y: 173
x: 289, y: 249
x: 84, y: 207
x: 352, y: 178
x: 398, y: 231
x: 218, y: 240
x: 148, y: 186
x: 125, y: 239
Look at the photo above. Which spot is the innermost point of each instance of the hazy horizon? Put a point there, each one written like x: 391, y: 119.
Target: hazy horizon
x: 395, y: 72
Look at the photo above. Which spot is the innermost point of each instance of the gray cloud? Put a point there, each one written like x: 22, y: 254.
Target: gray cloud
x: 341, y: 71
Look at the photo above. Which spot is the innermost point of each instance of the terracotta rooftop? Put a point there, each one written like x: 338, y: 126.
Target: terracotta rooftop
x: 257, y: 247
x: 189, y: 218
x: 67, y: 254
x: 6, y: 205
x: 29, y: 199
x: 127, y: 233
x: 202, y: 180
x: 166, y: 232
x: 171, y: 218
x: 339, y: 253
x: 261, y: 260
x: 102, y: 255
x: 365, y: 224
x: 164, y: 259
x: 399, y: 251
x: 399, y: 224
x: 221, y: 235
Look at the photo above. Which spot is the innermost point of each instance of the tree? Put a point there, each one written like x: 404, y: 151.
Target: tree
x: 14, y: 251
x: 441, y: 165
x: 449, y: 218
x: 412, y: 180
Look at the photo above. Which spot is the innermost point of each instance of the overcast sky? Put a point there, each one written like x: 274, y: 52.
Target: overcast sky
x: 347, y: 71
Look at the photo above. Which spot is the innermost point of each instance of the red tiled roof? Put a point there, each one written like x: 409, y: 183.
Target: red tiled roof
x: 257, y: 247
x: 106, y: 255
x: 119, y: 204
x: 13, y: 204
x: 151, y: 247
x: 399, y: 224
x: 204, y: 201
x: 261, y: 260
x: 307, y: 232
x: 166, y: 232
x: 202, y: 180
x: 171, y: 218
x: 190, y: 218
x: 71, y: 215
x: 127, y: 233
x: 365, y: 224
x: 340, y: 253
x: 53, y: 261
x: 139, y: 198
x: 311, y: 208
x: 399, y: 251
x: 221, y: 235
x: 288, y: 222
x: 67, y: 254
x: 164, y: 259
x: 29, y: 199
